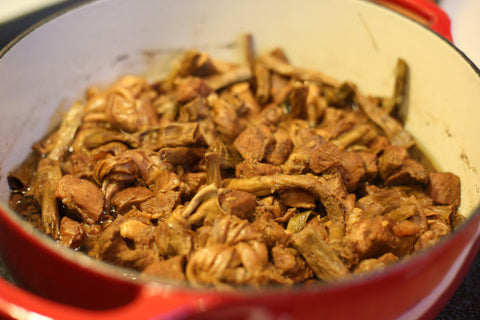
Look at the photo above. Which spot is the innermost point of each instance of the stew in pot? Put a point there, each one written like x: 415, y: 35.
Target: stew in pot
x: 229, y: 175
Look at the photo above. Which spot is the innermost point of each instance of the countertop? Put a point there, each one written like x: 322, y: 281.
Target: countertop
x: 17, y: 15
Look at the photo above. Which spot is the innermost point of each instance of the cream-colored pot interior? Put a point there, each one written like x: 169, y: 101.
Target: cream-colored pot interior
x: 42, y: 74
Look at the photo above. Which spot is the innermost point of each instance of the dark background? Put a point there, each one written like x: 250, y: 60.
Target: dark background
x: 464, y: 305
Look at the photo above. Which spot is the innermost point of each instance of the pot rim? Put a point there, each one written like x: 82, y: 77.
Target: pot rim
x: 124, y: 274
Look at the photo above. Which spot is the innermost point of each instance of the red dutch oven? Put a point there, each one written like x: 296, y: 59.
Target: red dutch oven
x: 50, y: 65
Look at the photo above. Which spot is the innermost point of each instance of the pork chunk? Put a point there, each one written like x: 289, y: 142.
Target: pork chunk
x: 82, y: 196
x: 239, y: 203
x: 252, y: 143
x: 127, y: 198
x: 171, y: 269
x: 444, y: 188
x: 72, y: 234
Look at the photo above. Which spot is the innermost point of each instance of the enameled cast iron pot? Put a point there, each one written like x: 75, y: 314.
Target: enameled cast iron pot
x: 49, y: 66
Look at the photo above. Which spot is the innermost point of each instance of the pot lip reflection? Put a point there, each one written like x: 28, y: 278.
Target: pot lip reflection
x: 120, y: 273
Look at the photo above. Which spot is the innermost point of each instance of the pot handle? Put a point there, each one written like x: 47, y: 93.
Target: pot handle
x: 151, y: 303
x: 425, y: 12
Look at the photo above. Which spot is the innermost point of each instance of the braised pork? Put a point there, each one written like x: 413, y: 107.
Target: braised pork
x: 228, y: 175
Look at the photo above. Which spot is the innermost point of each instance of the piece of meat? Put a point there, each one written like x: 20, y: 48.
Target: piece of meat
x: 298, y: 101
x: 391, y: 160
x: 410, y: 172
x: 240, y: 96
x: 72, y: 234
x: 81, y: 196
x: 272, y: 206
x: 225, y: 118
x: 336, y: 122
x: 198, y: 111
x: 375, y: 264
x: 373, y: 237
x: 190, y: 88
x: 81, y: 166
x: 352, y: 169
x: 191, y: 182
x: 380, y: 202
x: 272, y: 233
x: 370, y: 164
x: 316, y: 252
x: 312, y: 154
x: 444, y: 188
x: 253, y: 142
x: 162, y: 204
x: 238, y: 203
x: 131, y: 197
x: 196, y: 63
x: 186, y: 156
x: 135, y: 250
x: 437, y: 230
x: 169, y: 269
x: 270, y: 115
x: 323, y: 157
x: 280, y: 149
x: 290, y: 263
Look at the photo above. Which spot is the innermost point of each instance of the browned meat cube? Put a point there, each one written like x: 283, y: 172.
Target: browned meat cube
x: 380, y: 202
x: 375, y: 264
x: 239, y: 203
x: 281, y: 149
x: 253, y: 142
x: 131, y: 197
x: 352, y: 169
x: 273, y: 233
x: 444, y: 188
x: 391, y: 160
x: 128, y: 243
x: 81, y: 165
x: 190, y: 88
x: 271, y: 114
x: 82, y: 196
x: 289, y: 261
x: 373, y: 237
x: 410, y: 172
x: 171, y: 269
x: 72, y: 234
x: 162, y: 204
x: 323, y: 157
x: 370, y: 163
